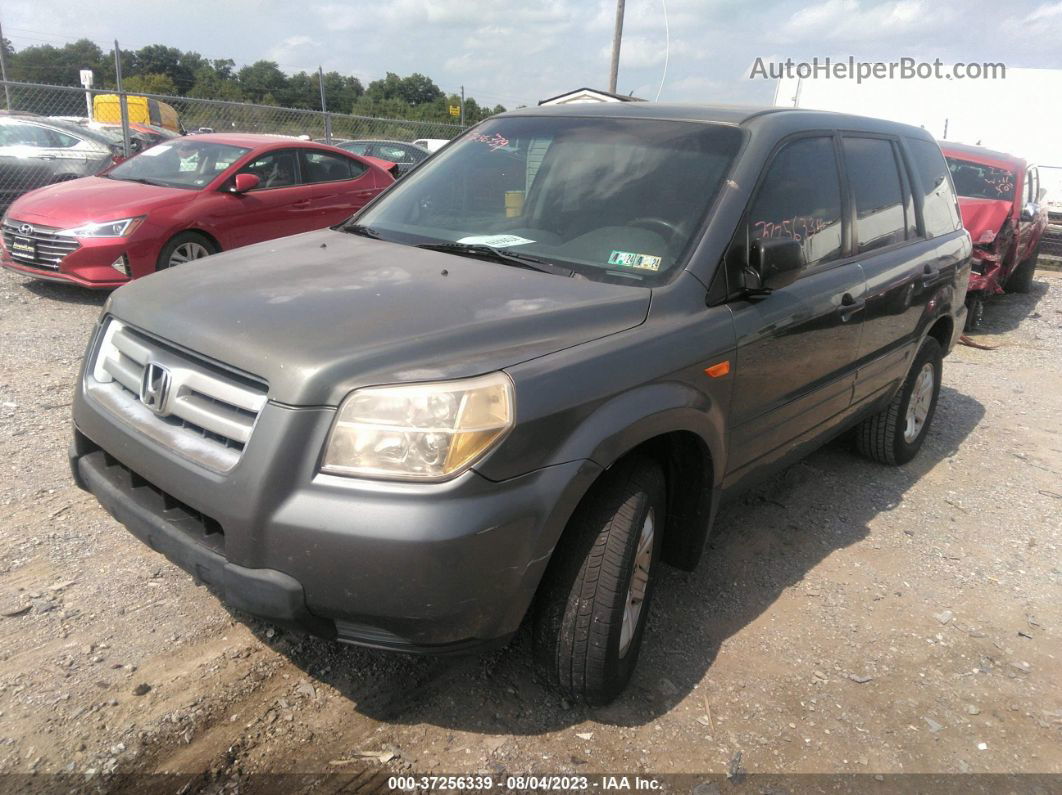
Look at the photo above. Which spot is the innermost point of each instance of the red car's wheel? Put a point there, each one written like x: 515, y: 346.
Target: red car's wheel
x: 185, y: 247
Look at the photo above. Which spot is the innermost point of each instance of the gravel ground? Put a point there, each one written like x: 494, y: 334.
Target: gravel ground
x: 849, y: 617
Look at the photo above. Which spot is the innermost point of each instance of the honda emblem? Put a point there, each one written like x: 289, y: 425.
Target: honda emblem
x: 155, y: 387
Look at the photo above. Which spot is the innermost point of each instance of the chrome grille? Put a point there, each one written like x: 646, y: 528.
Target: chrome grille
x: 51, y: 248
x: 191, y: 406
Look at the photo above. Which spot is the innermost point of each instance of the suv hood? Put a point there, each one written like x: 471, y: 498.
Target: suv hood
x: 68, y: 204
x: 322, y: 313
x: 983, y: 215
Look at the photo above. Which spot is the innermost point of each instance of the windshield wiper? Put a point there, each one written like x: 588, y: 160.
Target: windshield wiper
x: 500, y: 255
x: 359, y: 229
x: 141, y: 180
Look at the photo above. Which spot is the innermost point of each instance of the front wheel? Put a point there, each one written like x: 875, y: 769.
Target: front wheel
x: 895, y: 435
x: 1021, y: 278
x: 591, y: 610
x: 185, y: 247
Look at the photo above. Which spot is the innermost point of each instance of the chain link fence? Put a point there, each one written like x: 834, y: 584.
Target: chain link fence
x: 45, y: 136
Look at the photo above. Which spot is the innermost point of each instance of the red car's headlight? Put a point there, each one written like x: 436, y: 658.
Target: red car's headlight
x: 121, y: 228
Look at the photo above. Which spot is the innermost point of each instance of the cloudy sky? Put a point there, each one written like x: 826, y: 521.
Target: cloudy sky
x: 519, y: 52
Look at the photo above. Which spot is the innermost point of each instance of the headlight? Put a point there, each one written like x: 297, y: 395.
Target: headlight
x: 419, y: 431
x: 122, y: 228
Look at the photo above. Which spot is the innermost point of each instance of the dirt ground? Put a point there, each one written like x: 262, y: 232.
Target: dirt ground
x: 848, y: 617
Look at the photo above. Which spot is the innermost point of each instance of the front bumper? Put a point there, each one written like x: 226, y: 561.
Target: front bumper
x: 90, y: 265
x: 416, y: 567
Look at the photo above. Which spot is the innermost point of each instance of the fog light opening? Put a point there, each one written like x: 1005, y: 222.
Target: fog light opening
x: 121, y: 265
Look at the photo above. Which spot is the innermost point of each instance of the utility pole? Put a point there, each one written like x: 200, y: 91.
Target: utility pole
x: 324, y: 107
x: 462, y: 106
x: 3, y: 70
x: 616, y: 37
x: 122, y: 103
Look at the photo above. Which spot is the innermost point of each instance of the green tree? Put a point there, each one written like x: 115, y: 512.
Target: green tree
x: 157, y: 59
x: 150, y: 84
x: 302, y: 91
x: 59, y: 65
x: 341, y: 91
x: 217, y: 80
x: 260, y: 79
x: 387, y: 88
x: 418, y: 89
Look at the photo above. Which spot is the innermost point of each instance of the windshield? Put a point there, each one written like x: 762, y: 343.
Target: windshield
x: 185, y: 163
x: 978, y: 181
x: 612, y: 199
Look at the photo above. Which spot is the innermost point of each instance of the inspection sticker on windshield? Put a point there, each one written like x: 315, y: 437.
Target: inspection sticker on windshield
x: 495, y: 241
x: 629, y: 259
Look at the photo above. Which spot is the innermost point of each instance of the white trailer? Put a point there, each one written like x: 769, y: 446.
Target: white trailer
x: 1019, y: 114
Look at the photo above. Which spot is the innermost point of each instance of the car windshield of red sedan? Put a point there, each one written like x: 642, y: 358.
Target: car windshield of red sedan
x: 618, y: 200
x: 978, y: 181
x: 179, y: 164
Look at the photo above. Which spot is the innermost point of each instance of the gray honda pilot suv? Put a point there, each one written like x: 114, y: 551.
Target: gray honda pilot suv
x: 525, y: 376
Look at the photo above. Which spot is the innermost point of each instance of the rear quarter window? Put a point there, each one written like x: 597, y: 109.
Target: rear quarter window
x: 940, y: 209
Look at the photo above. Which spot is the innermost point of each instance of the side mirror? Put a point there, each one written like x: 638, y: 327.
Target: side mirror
x: 776, y: 261
x: 1028, y: 212
x: 245, y: 182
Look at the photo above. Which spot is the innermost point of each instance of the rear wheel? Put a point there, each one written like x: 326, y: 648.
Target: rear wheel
x: 895, y: 435
x: 591, y: 610
x: 185, y: 247
x: 1021, y: 278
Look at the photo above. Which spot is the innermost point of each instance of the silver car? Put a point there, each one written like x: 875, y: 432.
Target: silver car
x: 36, y: 151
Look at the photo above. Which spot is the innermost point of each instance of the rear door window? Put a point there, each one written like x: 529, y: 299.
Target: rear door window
x: 800, y: 199
x: 940, y: 211
x: 61, y: 140
x: 328, y: 167
x: 874, y: 178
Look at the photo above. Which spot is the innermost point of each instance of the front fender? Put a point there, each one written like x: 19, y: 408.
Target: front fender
x: 628, y: 420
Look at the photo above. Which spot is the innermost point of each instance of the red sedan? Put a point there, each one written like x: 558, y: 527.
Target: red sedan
x: 183, y: 200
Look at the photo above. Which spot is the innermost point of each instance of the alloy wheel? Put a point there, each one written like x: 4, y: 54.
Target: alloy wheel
x: 639, y: 583
x: 186, y: 252
x: 919, y: 403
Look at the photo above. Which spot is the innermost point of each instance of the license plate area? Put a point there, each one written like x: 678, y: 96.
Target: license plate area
x: 24, y: 248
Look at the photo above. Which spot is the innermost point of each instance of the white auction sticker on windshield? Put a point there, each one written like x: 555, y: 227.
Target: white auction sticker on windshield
x: 495, y: 241
x: 155, y: 151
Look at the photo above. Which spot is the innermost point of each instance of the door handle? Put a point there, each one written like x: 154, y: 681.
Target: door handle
x: 301, y: 203
x: 929, y: 276
x: 849, y: 306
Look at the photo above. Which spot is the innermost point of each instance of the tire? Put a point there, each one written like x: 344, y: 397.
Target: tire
x: 185, y: 247
x: 583, y: 646
x: 975, y: 312
x: 1021, y: 278
x: 895, y: 435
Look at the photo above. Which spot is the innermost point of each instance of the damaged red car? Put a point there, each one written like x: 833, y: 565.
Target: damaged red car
x: 1000, y: 199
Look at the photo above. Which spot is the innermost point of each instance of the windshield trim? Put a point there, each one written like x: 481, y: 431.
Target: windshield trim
x: 700, y: 226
